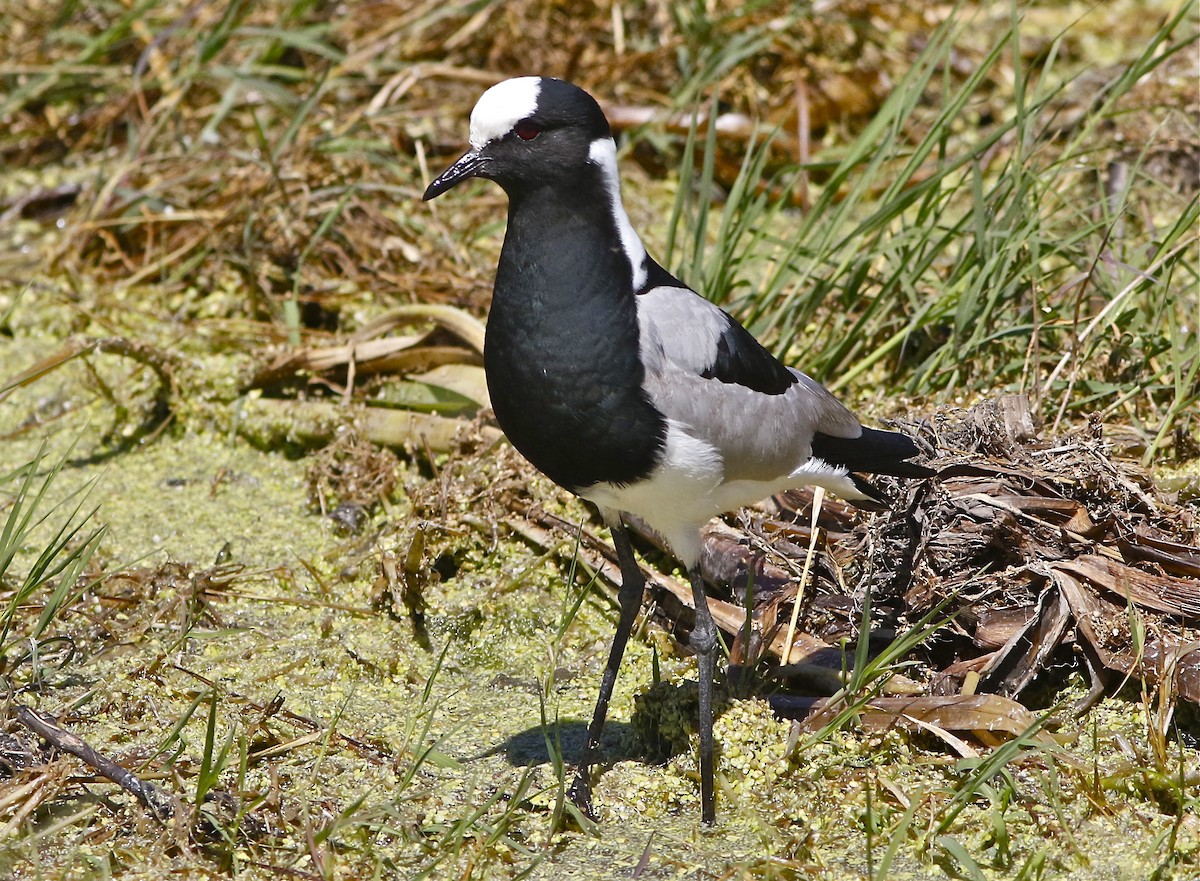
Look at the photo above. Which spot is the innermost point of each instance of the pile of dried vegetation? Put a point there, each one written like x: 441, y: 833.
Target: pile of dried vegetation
x: 1022, y: 565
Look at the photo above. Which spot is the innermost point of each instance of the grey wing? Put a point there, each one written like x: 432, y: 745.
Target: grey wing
x: 708, y: 375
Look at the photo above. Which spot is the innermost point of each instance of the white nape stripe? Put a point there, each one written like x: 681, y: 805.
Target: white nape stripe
x: 603, y: 152
x: 501, y: 107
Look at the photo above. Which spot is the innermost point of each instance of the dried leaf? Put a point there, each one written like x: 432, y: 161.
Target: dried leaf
x: 975, y: 712
x: 1104, y: 624
x: 1172, y: 596
x: 269, y: 422
x: 1028, y: 651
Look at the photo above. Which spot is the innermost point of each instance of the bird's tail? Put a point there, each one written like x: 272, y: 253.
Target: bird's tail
x: 872, y: 452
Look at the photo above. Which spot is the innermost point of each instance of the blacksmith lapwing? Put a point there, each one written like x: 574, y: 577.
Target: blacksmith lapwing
x: 623, y: 385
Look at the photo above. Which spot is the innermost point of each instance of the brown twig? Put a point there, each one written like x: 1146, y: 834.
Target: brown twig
x: 163, y: 805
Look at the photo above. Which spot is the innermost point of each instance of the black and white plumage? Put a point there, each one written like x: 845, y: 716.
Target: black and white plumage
x: 622, y: 384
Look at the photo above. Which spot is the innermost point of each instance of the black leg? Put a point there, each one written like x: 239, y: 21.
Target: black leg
x: 703, y: 642
x: 630, y: 597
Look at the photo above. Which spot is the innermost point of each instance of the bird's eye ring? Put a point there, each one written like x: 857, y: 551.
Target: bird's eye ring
x: 527, y: 130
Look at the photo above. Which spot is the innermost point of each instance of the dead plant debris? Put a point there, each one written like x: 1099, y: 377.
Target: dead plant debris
x: 1043, y: 558
x: 1040, y: 560
x: 350, y: 475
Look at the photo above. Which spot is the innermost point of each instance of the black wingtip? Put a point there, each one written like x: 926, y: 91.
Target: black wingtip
x: 872, y: 452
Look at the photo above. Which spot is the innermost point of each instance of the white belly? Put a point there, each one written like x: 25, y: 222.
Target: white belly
x: 688, y: 488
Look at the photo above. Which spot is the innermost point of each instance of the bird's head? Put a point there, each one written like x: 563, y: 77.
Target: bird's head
x: 529, y: 132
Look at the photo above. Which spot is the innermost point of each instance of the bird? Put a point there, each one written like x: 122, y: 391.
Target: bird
x: 625, y: 386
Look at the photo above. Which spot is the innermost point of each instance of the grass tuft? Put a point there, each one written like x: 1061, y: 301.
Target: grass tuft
x: 952, y: 264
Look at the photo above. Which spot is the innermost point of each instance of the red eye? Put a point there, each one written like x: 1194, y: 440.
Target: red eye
x: 527, y: 130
